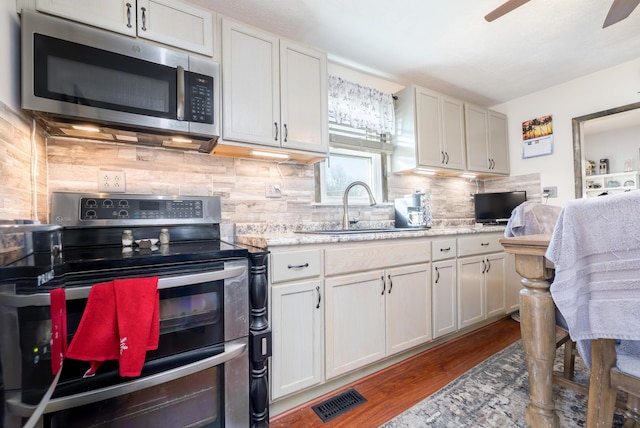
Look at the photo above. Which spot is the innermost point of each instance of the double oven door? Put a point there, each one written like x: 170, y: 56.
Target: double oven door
x: 198, y: 376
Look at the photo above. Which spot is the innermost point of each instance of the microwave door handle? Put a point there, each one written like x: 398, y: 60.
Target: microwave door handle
x: 180, y: 91
x: 43, y: 299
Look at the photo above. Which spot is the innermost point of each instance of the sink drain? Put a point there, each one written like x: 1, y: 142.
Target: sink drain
x: 339, y: 404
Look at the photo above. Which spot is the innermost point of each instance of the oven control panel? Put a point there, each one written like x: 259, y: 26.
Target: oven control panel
x: 73, y: 209
x: 139, y: 209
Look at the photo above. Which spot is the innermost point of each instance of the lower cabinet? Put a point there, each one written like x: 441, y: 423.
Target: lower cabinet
x: 297, y: 324
x: 444, y: 297
x: 375, y: 314
x: 481, y: 288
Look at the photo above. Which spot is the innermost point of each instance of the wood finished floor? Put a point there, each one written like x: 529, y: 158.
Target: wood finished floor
x: 397, y: 388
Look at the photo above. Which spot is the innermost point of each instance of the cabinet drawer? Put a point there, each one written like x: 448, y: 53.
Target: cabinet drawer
x: 290, y: 265
x: 367, y: 256
x: 443, y: 249
x: 479, y: 244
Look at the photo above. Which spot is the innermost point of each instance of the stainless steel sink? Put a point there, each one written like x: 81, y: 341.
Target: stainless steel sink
x: 354, y: 231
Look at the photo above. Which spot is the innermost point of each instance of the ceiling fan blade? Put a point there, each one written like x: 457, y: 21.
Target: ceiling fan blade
x: 620, y: 9
x: 506, y: 8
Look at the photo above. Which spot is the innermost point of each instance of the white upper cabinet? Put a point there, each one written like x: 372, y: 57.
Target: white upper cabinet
x: 170, y: 22
x: 487, y: 141
x: 274, y: 91
x: 429, y: 131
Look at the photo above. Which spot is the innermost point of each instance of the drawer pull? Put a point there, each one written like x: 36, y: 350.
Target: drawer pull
x: 445, y: 249
x: 484, y: 244
x: 319, y: 297
x: 306, y: 265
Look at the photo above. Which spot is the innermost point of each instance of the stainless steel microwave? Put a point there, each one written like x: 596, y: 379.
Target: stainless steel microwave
x: 72, y: 73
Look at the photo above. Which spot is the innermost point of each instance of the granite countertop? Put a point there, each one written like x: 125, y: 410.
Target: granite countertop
x: 271, y: 238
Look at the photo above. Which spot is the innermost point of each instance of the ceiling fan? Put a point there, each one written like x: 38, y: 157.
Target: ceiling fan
x: 619, y: 10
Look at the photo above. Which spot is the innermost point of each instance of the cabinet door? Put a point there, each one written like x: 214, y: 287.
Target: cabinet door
x: 498, y: 142
x: 250, y: 85
x: 113, y: 15
x: 471, y: 307
x: 476, y: 132
x: 428, y: 131
x: 304, y: 98
x: 453, y: 138
x: 444, y: 298
x: 355, y: 324
x: 177, y: 24
x: 494, y: 284
x: 297, y: 318
x: 408, y: 307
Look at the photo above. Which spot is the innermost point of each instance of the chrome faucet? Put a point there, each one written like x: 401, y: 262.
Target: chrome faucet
x: 345, y: 201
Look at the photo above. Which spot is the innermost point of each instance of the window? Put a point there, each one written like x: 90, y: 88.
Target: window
x: 360, y: 128
x: 345, y: 166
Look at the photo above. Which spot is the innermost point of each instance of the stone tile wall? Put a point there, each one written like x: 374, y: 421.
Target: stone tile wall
x: 21, y: 161
x: 74, y: 166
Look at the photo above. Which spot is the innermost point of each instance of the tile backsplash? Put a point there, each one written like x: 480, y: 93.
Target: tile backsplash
x: 73, y: 166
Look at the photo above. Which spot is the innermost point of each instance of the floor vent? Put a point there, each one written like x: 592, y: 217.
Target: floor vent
x: 338, y: 405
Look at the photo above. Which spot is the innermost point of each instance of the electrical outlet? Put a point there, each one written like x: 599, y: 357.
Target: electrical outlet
x: 273, y: 191
x: 550, y: 192
x: 110, y: 181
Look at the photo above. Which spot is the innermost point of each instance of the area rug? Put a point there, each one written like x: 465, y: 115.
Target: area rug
x: 495, y: 394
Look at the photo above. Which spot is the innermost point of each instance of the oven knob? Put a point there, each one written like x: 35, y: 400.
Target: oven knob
x: 123, y: 204
x: 123, y: 214
x: 107, y: 203
x: 90, y: 214
x: 91, y: 203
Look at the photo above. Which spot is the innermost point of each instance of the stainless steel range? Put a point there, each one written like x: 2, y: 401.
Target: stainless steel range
x: 209, y: 369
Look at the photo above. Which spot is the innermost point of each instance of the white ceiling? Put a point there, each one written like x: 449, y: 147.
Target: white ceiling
x: 446, y: 45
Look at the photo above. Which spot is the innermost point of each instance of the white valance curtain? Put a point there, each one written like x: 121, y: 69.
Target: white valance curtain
x: 360, y: 107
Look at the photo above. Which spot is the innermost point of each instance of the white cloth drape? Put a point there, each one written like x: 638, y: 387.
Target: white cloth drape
x: 360, y: 107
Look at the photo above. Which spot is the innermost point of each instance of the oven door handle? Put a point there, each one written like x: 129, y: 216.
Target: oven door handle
x: 43, y: 299
x: 232, y: 349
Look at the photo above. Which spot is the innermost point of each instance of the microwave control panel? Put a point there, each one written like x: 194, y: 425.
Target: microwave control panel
x: 200, y: 98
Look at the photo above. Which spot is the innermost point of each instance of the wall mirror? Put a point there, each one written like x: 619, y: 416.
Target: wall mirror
x: 608, y: 120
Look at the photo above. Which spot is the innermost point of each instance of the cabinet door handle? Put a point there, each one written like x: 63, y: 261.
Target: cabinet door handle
x: 390, y: 283
x: 286, y: 133
x: 144, y: 18
x: 488, y: 265
x: 275, y: 124
x: 384, y: 285
x: 319, y: 297
x: 484, y: 267
x: 442, y: 153
x: 128, y: 15
x: 447, y: 155
x: 445, y: 249
x: 306, y: 265
x: 437, y: 274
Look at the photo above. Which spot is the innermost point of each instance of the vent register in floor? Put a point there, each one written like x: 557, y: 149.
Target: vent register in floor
x: 338, y: 404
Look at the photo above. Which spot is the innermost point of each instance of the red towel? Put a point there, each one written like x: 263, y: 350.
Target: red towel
x: 58, y: 310
x: 120, y: 322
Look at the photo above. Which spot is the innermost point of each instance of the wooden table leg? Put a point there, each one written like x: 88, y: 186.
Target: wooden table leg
x: 537, y: 324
